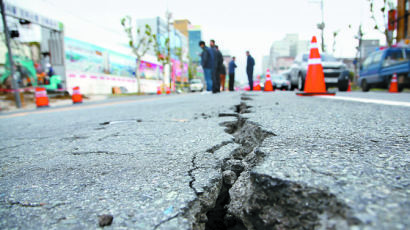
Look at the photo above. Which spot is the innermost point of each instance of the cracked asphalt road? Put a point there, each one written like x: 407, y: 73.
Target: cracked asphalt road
x: 162, y: 163
x: 63, y: 169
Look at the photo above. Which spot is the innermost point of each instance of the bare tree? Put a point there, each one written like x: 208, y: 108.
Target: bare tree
x: 335, y: 33
x: 382, y: 27
x: 140, y: 44
x: 163, y: 53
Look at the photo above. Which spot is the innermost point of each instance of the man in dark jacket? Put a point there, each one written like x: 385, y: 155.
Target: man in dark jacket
x: 231, y: 68
x: 207, y: 60
x: 221, y: 68
x: 216, y: 84
x: 250, y: 63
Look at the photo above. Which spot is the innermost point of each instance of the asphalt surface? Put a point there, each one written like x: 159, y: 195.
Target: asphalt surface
x: 162, y: 162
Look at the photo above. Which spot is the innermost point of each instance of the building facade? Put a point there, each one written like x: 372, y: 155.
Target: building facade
x: 182, y: 26
x: 368, y: 46
x: 163, y: 30
x: 178, y: 43
x: 282, y: 51
x: 194, y: 36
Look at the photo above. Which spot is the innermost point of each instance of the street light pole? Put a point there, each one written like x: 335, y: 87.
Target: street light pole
x: 322, y: 26
x: 168, y: 16
x: 10, y: 56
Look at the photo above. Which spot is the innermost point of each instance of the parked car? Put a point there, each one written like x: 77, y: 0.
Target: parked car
x: 335, y: 71
x: 196, y: 85
x: 379, y: 67
x: 280, y: 82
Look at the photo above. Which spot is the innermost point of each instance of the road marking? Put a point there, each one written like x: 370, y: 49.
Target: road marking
x: 366, y: 100
x: 71, y: 108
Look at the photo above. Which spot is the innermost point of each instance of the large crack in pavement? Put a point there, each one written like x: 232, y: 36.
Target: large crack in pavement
x: 242, y: 199
x: 209, y: 211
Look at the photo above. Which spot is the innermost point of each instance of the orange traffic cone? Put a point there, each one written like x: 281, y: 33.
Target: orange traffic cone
x: 268, y: 82
x: 315, y: 79
x: 257, y: 87
x: 41, y: 97
x: 159, y: 90
x: 77, y: 97
x: 349, y: 88
x: 168, y: 90
x: 257, y: 84
x: 394, y: 88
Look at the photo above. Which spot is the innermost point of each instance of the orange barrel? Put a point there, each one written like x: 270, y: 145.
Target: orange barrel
x: 41, y: 97
x: 77, y: 97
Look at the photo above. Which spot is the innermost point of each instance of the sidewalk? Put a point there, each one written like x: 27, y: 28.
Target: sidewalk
x: 7, y: 103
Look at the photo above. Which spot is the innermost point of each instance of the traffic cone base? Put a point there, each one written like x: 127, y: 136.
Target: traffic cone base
x: 316, y: 94
x: 268, y: 87
x: 42, y: 106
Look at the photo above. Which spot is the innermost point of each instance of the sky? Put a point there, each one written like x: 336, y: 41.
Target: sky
x: 236, y: 25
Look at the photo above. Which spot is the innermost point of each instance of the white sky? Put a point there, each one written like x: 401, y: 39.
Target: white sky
x: 236, y: 25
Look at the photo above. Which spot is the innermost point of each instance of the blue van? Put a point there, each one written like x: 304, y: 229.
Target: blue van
x: 379, y: 67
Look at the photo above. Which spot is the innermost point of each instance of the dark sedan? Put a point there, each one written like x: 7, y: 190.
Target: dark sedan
x: 336, y: 74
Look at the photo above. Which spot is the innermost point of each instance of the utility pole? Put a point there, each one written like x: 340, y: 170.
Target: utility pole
x: 10, y: 56
x: 168, y: 16
x: 321, y: 26
x: 359, y: 37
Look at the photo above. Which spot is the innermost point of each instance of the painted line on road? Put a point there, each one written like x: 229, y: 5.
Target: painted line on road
x: 72, y: 108
x: 366, y: 100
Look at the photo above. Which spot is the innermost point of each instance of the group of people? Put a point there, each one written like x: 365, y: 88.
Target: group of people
x: 215, y: 70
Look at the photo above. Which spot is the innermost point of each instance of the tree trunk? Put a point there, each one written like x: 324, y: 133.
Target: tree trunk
x: 137, y: 74
x: 389, y: 37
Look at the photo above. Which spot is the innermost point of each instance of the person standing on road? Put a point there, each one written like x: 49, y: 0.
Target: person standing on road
x: 223, y: 76
x: 231, y: 70
x: 221, y: 69
x: 207, y: 64
x: 250, y: 63
x: 216, y: 84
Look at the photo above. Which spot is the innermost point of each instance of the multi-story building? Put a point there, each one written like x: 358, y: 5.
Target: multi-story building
x: 368, y: 46
x: 284, y: 50
x: 195, y: 36
x: 178, y: 42
x: 182, y: 26
x: 163, y: 30
x: 265, y: 63
x: 283, y: 63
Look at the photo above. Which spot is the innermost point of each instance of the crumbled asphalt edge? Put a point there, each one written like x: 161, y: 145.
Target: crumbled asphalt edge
x: 209, y: 210
x: 247, y: 200
x: 258, y: 201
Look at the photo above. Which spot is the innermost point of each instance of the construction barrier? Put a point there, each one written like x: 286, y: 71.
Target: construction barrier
x: 76, y: 96
x: 41, y: 97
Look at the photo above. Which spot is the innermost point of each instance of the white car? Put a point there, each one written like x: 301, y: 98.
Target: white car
x: 196, y: 85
